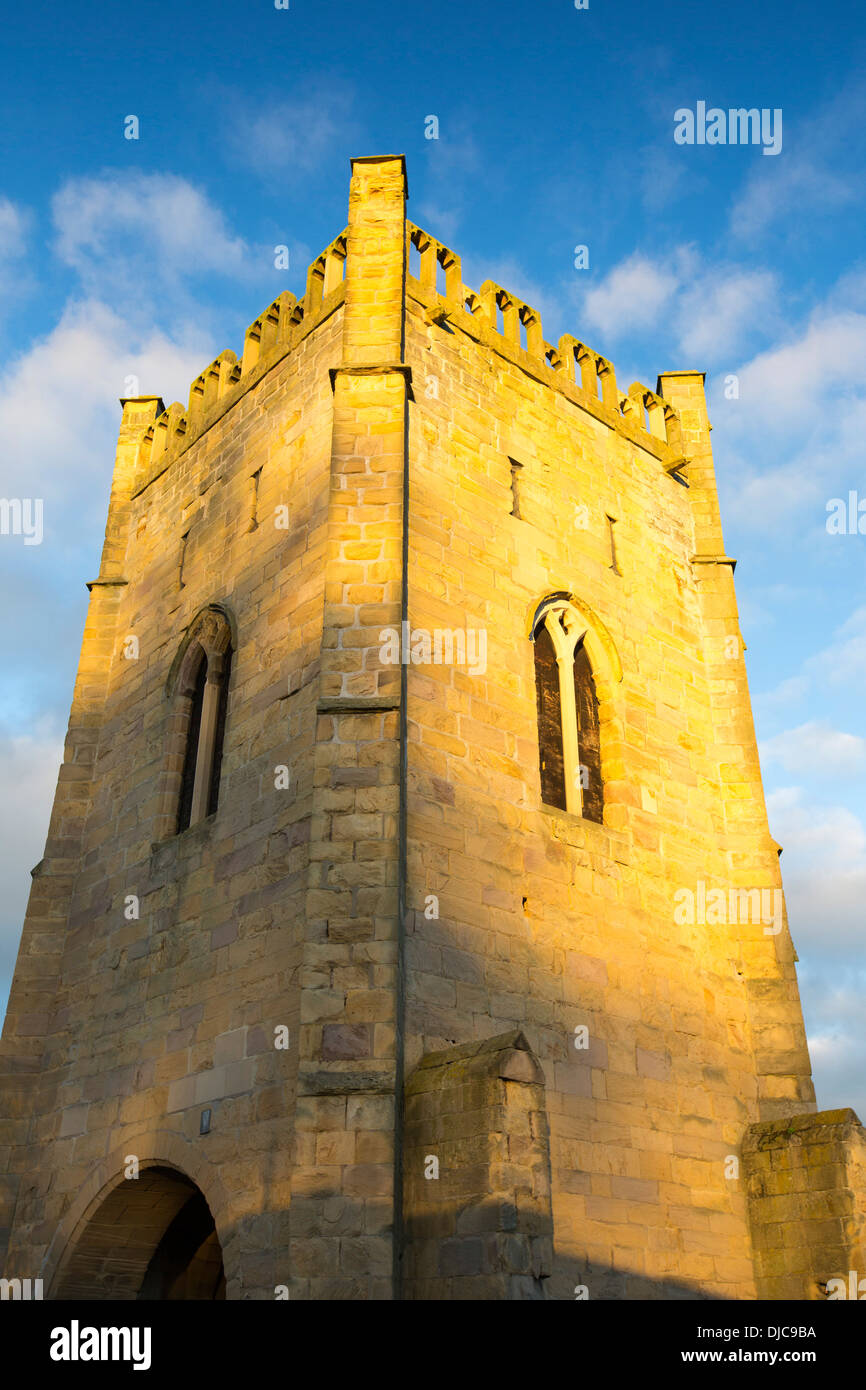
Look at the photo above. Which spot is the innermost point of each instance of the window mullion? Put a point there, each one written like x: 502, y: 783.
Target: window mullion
x: 570, y: 747
x: 204, y: 757
x: 564, y: 643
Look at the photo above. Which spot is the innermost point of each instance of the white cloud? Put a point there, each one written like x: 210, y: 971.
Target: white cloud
x: 59, y: 417
x: 123, y: 231
x: 14, y: 224
x: 824, y: 872
x: 631, y: 297
x: 819, y: 173
x: 59, y: 410
x: 824, y: 868
x: 706, y: 309
x: 815, y: 749
x: 841, y: 666
x: 788, y: 386
x: 778, y: 188
x: 720, y: 307
x: 836, y: 1027
x: 793, y: 439
x: 28, y: 764
x: 843, y: 661
x: 15, y: 277
x: 787, y: 692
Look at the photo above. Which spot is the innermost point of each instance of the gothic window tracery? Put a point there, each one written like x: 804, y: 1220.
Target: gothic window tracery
x: 569, y: 745
x: 201, y: 704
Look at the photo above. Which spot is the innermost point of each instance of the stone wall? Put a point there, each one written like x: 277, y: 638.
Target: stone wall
x: 806, y: 1184
x: 524, y: 916
x: 343, y: 1188
x: 478, y: 1223
x: 437, y: 468
x: 175, y: 958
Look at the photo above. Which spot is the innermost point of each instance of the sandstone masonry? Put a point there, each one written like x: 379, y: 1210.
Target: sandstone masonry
x: 383, y: 948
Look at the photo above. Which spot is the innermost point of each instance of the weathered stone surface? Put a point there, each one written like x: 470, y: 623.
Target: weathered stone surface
x: 381, y: 885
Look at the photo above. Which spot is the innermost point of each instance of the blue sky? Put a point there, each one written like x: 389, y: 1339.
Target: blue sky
x: 144, y: 258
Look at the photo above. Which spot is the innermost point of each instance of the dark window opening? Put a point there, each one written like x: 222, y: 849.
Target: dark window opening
x: 516, y: 469
x: 188, y: 781
x: 551, y: 760
x: 588, y: 738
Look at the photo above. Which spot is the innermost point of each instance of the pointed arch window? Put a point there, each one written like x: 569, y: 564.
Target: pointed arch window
x: 201, y: 704
x: 569, y: 744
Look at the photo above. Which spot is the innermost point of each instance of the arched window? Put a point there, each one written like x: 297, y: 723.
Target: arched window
x: 569, y: 745
x: 200, y: 692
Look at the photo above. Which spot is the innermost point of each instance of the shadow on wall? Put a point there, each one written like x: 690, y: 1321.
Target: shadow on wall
x: 478, y: 1221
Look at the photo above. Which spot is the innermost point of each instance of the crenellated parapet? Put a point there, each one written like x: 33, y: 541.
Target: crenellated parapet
x: 276, y: 332
x: 571, y: 363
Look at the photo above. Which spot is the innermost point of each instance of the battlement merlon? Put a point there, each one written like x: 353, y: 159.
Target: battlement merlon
x: 375, y: 262
x: 686, y: 394
x: 139, y: 414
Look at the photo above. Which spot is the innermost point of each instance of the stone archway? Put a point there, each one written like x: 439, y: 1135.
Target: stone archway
x: 152, y: 1237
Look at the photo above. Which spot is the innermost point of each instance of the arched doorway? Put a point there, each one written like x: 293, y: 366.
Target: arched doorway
x: 153, y: 1237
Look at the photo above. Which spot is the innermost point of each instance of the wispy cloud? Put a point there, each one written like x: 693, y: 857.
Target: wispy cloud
x: 631, y: 297
x: 793, y: 438
x: 836, y: 1023
x: 784, y: 385
x: 824, y: 865
x: 14, y: 225
x: 816, y: 749
x: 819, y: 175
x: 15, y: 228
x: 59, y: 416
x: 82, y: 366
x: 778, y: 189
x: 454, y: 162
x: 705, y: 311
x: 298, y: 132
x: 722, y: 306
x: 840, y: 664
x: 28, y: 763
x: 129, y: 235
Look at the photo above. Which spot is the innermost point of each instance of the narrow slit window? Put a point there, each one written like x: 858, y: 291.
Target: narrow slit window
x: 255, y: 480
x: 611, y: 523
x: 516, y: 469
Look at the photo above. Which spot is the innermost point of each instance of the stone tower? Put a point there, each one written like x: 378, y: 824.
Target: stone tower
x: 409, y: 924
